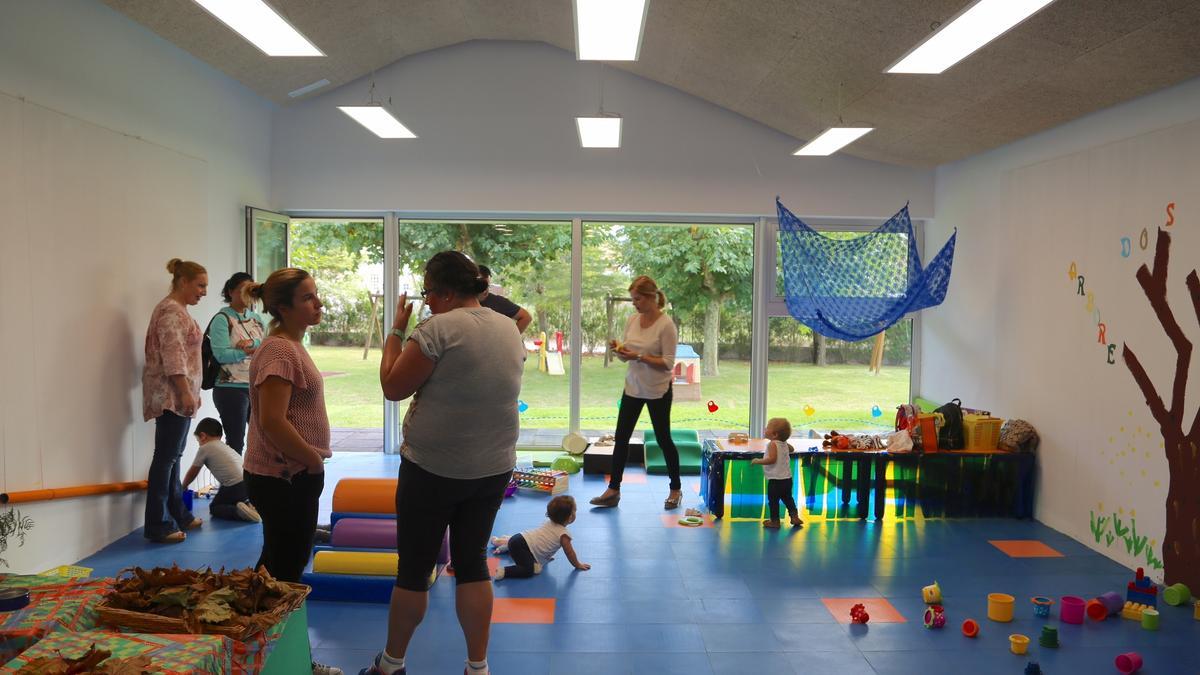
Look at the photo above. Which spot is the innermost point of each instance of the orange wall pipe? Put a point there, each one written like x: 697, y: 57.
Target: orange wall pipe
x: 63, y: 493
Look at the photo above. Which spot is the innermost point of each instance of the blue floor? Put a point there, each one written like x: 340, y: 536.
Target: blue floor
x: 732, y: 599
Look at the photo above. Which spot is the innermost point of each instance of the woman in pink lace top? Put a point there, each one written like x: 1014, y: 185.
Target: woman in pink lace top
x: 170, y: 397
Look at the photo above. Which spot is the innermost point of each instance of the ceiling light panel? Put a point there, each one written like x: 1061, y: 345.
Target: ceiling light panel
x: 976, y: 26
x: 256, y: 21
x: 599, y: 132
x: 609, y: 30
x: 832, y: 140
x: 378, y: 120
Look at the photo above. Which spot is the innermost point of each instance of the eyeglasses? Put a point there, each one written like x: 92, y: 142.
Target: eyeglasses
x: 425, y: 293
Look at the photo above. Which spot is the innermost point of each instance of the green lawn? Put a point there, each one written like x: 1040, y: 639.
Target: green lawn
x: 840, y: 397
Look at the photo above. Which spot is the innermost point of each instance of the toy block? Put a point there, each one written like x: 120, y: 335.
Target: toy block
x: 1142, y: 590
x: 1133, y: 610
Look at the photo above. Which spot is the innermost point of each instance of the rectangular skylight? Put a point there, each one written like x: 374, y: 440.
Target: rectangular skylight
x: 832, y: 140
x: 609, y: 30
x: 599, y: 132
x: 256, y: 21
x: 973, y: 28
x: 378, y: 120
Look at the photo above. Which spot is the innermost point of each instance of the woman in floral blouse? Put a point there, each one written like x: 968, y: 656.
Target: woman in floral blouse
x: 170, y: 397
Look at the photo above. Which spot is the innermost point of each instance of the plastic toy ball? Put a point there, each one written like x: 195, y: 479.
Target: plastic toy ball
x: 875, y: 411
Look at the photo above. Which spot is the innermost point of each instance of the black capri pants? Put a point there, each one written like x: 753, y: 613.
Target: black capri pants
x: 426, y: 504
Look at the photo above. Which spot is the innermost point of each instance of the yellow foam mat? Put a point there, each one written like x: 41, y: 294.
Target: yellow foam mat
x: 355, y: 562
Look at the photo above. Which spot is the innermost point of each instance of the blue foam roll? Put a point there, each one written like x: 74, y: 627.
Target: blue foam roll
x: 349, y: 587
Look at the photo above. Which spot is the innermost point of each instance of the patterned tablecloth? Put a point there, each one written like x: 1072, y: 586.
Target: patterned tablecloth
x: 171, y: 654
x: 60, y: 606
x: 56, y: 604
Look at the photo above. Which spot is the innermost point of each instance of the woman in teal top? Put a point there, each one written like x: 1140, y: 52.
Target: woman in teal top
x: 234, y: 333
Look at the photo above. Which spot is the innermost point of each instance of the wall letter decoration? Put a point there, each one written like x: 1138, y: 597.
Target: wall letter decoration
x: 1081, y: 284
x: 1170, y: 214
x: 1101, y: 339
x: 1091, y: 303
x: 1144, y: 241
x: 1126, y: 247
x: 1071, y: 273
x: 1111, y: 349
x: 1096, y: 316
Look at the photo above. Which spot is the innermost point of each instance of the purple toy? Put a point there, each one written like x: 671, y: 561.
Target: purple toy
x: 364, y: 533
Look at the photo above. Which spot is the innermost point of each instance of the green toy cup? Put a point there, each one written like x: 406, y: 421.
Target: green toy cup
x: 1150, y: 618
x: 1176, y: 594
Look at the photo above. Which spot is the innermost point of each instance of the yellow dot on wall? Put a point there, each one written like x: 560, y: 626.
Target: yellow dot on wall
x: 1133, y: 448
x: 1112, y: 461
x: 1133, y: 512
x: 1139, y: 430
x: 1153, y: 543
x: 1157, y: 484
x: 1121, y: 509
x: 1147, y: 454
x: 1122, y: 429
x: 1110, y: 439
x: 1131, y: 413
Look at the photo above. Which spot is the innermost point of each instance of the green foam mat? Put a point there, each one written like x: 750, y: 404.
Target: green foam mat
x: 687, y: 441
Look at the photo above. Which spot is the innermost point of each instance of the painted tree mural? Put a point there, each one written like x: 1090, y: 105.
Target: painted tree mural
x: 1181, y: 544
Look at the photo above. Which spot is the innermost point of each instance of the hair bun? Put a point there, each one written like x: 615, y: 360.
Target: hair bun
x: 255, y: 291
x: 173, y: 264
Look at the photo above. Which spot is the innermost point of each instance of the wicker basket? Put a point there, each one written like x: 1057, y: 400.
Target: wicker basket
x: 982, y: 432
x: 144, y: 622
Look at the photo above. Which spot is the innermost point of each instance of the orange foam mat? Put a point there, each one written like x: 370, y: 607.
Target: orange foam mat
x: 1025, y: 548
x: 879, y: 609
x: 523, y: 610
x: 365, y: 495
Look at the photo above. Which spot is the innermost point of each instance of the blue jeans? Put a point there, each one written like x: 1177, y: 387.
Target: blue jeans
x: 233, y: 405
x: 165, y: 512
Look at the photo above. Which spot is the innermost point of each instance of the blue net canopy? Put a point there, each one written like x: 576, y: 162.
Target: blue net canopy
x: 851, y: 286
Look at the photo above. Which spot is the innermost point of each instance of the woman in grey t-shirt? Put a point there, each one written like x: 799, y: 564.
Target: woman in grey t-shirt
x: 463, y: 367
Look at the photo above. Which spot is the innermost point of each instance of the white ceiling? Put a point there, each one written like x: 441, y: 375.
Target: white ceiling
x: 792, y: 65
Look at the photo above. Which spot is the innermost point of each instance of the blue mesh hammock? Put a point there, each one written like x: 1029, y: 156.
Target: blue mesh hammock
x: 851, y: 286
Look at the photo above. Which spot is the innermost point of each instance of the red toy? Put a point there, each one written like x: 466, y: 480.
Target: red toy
x: 858, y: 614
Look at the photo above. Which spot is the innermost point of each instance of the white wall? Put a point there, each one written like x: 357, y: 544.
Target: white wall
x: 117, y: 152
x: 496, y: 122
x: 1014, y: 337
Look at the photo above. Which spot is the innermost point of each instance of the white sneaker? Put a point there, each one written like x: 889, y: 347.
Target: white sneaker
x: 497, y: 542
x: 537, y: 568
x: 248, y: 513
x: 322, y: 669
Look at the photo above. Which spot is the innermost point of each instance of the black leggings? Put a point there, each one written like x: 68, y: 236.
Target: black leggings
x: 233, y: 405
x: 660, y: 419
x: 426, y: 504
x: 522, y: 557
x: 289, y: 520
x: 780, y: 490
x: 224, y: 505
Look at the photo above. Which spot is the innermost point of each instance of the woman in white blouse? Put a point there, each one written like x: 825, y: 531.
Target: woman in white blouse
x: 649, y: 349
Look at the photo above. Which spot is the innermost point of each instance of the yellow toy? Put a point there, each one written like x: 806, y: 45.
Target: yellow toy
x: 1133, y: 610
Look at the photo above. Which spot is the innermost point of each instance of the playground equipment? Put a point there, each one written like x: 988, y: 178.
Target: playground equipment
x: 360, y: 563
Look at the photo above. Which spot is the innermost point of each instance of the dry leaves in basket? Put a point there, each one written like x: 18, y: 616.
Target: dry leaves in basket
x: 92, y: 661
x: 232, y: 599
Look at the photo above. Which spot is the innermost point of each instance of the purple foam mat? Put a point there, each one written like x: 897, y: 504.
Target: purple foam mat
x: 375, y: 533
x: 364, y: 533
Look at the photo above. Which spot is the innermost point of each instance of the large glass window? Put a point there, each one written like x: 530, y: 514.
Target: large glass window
x: 531, y: 266
x: 345, y: 258
x: 706, y: 272
x: 822, y: 384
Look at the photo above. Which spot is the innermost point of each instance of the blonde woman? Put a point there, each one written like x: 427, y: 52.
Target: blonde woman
x: 170, y: 397
x: 649, y: 349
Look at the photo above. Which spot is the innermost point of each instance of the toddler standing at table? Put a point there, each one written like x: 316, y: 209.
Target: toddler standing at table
x: 777, y: 467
